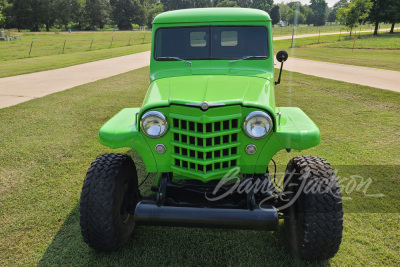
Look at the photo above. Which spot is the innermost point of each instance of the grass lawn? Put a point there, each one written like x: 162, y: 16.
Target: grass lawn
x: 381, y: 52
x: 47, y: 145
x: 47, y: 50
x: 306, y: 29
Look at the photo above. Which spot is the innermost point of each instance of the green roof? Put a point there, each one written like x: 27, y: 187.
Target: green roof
x: 215, y: 14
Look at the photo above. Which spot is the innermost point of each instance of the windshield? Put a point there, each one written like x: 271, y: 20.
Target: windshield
x: 227, y: 42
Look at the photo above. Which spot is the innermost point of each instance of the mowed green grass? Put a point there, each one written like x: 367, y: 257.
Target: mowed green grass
x: 307, y: 29
x: 47, y: 144
x: 47, y: 49
x: 382, y: 51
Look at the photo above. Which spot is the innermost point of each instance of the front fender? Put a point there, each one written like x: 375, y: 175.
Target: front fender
x: 294, y: 130
x: 122, y: 131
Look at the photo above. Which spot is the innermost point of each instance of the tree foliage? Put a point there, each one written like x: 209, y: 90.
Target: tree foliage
x: 295, y: 17
x: 227, y: 3
x: 90, y: 14
x: 393, y: 13
x: 384, y: 11
x: 354, y: 13
x: 176, y: 4
x: 2, y: 17
x: 126, y: 12
x: 97, y: 13
x: 152, y: 12
x: 319, y: 9
x: 283, y: 10
x: 275, y: 15
x: 262, y: 4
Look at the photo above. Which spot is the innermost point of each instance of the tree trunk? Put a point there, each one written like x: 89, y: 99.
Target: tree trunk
x: 376, y: 28
x: 392, y: 29
x: 47, y: 27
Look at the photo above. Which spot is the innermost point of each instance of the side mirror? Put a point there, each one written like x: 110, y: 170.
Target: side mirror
x: 281, y: 56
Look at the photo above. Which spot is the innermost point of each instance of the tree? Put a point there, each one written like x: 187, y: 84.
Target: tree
x: 354, y: 13
x: 331, y: 15
x: 244, y: 3
x: 202, y: 3
x: 176, y: 4
x: 227, y: 3
x: 67, y: 11
x: 126, y: 12
x: 2, y: 17
x: 295, y: 17
x: 97, y: 12
x: 283, y: 10
x: 262, y: 4
x: 319, y: 9
x: 332, y: 12
x: 393, y: 15
x: 275, y: 15
x: 28, y: 14
x: 309, y: 14
x: 384, y: 11
x: 152, y: 12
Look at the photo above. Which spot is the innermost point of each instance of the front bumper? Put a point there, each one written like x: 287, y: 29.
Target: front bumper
x: 148, y: 213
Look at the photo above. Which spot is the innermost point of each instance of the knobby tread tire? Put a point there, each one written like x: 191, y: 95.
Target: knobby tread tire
x: 108, y: 178
x: 314, y: 222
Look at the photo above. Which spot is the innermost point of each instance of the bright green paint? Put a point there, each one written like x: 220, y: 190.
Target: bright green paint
x: 241, y: 88
x: 215, y: 89
x: 212, y: 15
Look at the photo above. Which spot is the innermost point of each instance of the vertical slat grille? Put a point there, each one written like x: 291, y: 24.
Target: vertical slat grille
x: 205, y: 148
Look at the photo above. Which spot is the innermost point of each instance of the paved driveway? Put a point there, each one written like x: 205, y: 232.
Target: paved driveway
x: 18, y: 89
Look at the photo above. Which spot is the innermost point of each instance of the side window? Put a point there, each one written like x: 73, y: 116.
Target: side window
x: 197, y: 39
x: 229, y: 38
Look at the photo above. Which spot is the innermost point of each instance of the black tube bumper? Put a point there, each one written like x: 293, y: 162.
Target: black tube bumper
x: 257, y: 219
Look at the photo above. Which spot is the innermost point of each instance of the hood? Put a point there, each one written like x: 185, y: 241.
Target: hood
x: 250, y: 91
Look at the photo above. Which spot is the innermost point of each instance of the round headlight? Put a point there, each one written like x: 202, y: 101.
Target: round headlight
x: 153, y: 124
x: 257, y: 124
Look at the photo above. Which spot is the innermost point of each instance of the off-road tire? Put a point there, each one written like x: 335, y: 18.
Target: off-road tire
x: 108, y: 199
x: 314, y: 222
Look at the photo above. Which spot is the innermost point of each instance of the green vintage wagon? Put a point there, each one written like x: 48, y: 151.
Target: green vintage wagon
x: 208, y: 128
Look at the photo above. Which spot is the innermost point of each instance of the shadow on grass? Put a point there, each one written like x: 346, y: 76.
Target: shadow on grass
x: 150, y: 246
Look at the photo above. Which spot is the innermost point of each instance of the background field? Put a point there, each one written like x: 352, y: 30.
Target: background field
x: 382, y: 51
x: 47, y: 49
x: 47, y: 145
x: 305, y: 29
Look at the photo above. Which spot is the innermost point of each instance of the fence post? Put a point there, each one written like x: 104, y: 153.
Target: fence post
x: 319, y: 35
x: 130, y: 39
x: 91, y: 43
x: 30, y: 48
x: 292, y: 38
x: 64, y: 44
x: 112, y: 39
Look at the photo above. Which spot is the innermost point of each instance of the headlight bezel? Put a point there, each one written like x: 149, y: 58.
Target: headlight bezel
x: 158, y: 114
x: 258, y: 113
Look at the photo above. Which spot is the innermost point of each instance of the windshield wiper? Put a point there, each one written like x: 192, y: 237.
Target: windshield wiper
x: 175, y: 58
x: 248, y: 57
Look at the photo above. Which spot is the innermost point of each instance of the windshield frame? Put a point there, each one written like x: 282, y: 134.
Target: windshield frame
x: 209, y: 42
